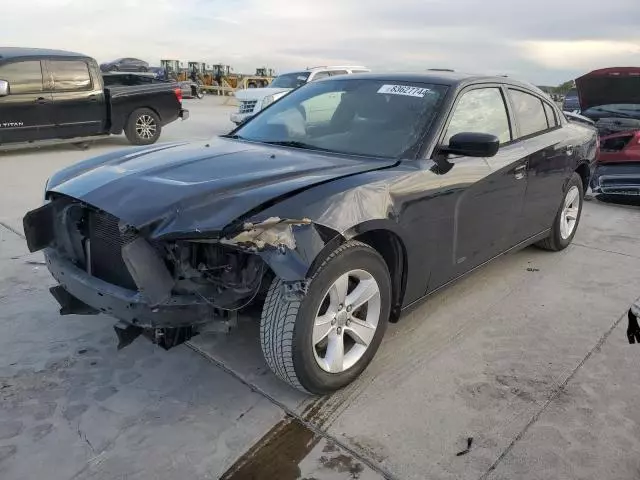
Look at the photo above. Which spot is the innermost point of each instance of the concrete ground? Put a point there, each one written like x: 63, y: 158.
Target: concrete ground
x: 527, y: 357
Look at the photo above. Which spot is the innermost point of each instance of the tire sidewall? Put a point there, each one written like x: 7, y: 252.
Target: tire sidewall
x: 561, y: 242
x: 309, y: 373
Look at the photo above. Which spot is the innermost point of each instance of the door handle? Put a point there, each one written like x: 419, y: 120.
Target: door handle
x: 520, y: 171
x: 93, y: 98
x: 41, y: 100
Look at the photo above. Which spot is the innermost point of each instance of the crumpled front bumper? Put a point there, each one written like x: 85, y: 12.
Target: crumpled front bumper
x: 124, y: 304
x: 616, y: 179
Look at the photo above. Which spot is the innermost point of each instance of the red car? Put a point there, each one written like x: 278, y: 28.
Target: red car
x: 611, y: 98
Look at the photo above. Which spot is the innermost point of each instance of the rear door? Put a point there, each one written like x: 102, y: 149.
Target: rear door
x: 78, y: 98
x: 26, y: 114
x: 548, y: 155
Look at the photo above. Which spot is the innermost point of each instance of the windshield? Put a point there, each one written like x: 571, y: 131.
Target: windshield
x: 290, y: 80
x: 623, y: 109
x: 354, y: 116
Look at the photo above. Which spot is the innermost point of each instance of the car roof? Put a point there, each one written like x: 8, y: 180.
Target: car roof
x: 19, y: 52
x: 334, y: 67
x: 439, y: 77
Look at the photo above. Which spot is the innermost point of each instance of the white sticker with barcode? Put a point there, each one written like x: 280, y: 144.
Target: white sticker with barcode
x: 404, y: 90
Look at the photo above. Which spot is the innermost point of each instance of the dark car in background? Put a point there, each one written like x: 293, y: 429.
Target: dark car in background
x: 127, y: 64
x: 53, y: 95
x: 571, y: 101
x: 611, y: 98
x: 335, y: 209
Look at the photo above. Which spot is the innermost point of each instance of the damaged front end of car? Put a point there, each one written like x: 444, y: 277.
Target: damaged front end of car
x: 167, y: 289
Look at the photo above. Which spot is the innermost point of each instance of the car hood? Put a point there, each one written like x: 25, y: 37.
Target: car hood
x: 609, y: 86
x: 185, y: 189
x: 259, y: 93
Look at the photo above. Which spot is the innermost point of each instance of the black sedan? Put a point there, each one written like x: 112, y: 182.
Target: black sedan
x: 127, y: 64
x: 334, y: 210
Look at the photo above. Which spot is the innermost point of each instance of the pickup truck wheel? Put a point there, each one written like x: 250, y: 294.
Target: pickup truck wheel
x: 143, y: 127
x: 321, y: 341
x: 566, y: 222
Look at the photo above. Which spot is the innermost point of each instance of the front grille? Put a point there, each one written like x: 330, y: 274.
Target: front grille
x: 106, y: 242
x: 247, y: 106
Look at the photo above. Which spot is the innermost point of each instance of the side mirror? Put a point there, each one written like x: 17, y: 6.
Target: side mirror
x: 471, y: 144
x: 4, y: 88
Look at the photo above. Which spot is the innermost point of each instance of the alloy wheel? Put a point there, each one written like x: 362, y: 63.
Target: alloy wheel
x: 146, y: 127
x: 346, y: 321
x: 569, y: 214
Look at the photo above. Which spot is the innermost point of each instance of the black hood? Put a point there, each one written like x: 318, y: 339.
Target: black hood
x: 201, y: 187
x: 609, y: 86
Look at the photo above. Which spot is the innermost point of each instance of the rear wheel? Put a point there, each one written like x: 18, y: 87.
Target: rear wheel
x: 321, y: 342
x: 566, y: 222
x: 143, y: 127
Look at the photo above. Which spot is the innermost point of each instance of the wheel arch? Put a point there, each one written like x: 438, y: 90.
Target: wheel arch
x: 392, y: 249
x: 315, y: 242
x: 585, y: 173
x: 154, y: 110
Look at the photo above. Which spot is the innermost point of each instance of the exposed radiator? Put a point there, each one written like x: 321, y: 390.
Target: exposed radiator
x: 106, y: 243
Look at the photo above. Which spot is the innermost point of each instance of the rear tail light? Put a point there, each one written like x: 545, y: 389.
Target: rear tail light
x: 178, y: 92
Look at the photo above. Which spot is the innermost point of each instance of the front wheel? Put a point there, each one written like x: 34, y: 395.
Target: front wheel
x: 566, y: 222
x: 143, y: 127
x: 321, y: 342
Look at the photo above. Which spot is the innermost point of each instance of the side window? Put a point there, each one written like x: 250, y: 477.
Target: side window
x: 333, y: 73
x: 552, y: 119
x: 70, y: 75
x: 23, y: 77
x: 529, y: 111
x: 480, y: 111
x: 320, y: 76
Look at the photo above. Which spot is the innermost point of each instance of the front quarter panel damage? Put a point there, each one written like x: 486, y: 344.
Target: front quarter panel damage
x: 288, y: 246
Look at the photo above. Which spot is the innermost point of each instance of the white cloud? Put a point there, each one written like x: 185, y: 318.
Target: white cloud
x: 582, y: 54
x: 542, y: 44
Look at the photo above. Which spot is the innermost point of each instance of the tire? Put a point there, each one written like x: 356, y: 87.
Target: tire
x: 114, y: 68
x: 143, y: 69
x: 135, y: 130
x: 287, y: 324
x: 558, y: 238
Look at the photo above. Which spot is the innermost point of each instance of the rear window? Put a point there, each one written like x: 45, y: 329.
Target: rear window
x: 70, y: 75
x: 290, y: 80
x: 529, y: 111
x: 552, y: 120
x: 23, y: 77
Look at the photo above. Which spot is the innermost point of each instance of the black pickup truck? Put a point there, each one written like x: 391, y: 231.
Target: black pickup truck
x: 52, y: 94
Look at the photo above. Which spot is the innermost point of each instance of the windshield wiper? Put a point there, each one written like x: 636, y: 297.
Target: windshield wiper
x: 234, y: 137
x: 297, y: 144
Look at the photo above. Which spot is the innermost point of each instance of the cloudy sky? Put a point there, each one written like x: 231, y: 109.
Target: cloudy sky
x: 553, y: 41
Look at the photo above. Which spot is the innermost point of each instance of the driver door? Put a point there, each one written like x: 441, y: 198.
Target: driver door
x: 486, y: 193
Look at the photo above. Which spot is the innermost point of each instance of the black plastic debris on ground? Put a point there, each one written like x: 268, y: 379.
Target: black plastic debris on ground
x: 633, y: 330
x: 466, y: 450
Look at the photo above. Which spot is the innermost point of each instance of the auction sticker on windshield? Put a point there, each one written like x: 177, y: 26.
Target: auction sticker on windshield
x: 404, y: 90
